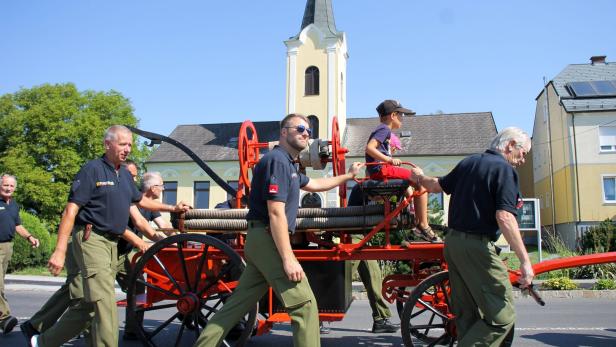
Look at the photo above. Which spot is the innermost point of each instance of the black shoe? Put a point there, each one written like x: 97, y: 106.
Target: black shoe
x: 9, y: 324
x: 384, y: 326
x: 28, y: 330
x: 130, y: 336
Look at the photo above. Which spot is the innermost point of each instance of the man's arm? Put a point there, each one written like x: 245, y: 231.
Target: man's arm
x: 155, y: 205
x: 142, y: 224
x: 56, y: 262
x: 135, y: 240
x: 162, y: 223
x: 508, y: 225
x: 327, y: 183
x: 34, y: 242
x: 280, y: 233
x: 431, y: 184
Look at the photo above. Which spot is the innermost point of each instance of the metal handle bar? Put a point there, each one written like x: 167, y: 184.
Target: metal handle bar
x: 530, y: 290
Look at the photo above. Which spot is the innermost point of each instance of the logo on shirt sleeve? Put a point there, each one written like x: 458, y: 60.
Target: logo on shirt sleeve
x: 273, y: 186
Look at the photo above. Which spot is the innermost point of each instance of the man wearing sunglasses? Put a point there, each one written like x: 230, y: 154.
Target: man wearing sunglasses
x: 484, y: 198
x: 270, y: 261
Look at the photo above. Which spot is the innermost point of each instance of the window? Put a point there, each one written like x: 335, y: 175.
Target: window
x: 170, y: 194
x: 314, y: 125
x: 607, y: 139
x: 312, y: 81
x: 233, y: 185
x: 609, y: 188
x: 202, y: 195
x: 311, y: 200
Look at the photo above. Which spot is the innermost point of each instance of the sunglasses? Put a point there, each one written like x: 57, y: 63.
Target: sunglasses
x: 301, y: 128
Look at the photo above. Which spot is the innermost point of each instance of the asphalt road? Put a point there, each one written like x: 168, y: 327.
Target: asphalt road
x: 562, y: 322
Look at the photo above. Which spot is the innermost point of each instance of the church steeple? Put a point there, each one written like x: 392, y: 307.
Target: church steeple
x: 316, y: 69
x: 319, y: 13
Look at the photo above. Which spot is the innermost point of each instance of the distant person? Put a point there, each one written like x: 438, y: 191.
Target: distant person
x: 10, y: 223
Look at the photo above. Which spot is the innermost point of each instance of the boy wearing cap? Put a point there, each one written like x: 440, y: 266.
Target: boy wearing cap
x: 378, y: 149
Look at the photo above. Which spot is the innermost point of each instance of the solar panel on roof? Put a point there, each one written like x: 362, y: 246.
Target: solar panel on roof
x: 592, y: 88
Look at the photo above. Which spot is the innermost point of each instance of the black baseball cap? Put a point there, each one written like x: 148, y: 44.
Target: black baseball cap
x: 389, y: 106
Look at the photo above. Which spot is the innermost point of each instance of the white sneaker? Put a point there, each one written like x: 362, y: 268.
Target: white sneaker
x: 34, y: 341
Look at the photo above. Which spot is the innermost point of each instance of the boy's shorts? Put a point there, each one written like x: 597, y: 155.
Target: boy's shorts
x: 392, y: 172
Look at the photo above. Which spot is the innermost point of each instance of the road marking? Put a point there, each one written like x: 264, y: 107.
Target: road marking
x: 562, y: 328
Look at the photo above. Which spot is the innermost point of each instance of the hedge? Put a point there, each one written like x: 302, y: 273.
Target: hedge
x: 23, y: 254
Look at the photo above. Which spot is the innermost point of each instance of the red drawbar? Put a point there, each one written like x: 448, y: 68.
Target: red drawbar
x: 390, y: 171
x: 273, y: 189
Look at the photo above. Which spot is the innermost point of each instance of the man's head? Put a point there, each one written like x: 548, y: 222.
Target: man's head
x: 118, y: 144
x: 131, y: 166
x: 294, y: 132
x: 391, y: 113
x: 513, y: 143
x: 7, y: 186
x: 152, y: 185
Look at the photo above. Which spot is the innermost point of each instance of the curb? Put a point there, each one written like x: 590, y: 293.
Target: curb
x: 51, y: 284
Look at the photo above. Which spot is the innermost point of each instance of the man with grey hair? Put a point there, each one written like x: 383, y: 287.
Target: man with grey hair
x: 484, y: 199
x: 96, y: 215
x: 9, y: 224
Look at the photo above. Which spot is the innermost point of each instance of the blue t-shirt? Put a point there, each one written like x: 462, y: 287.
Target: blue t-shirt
x: 276, y: 177
x: 104, y: 196
x: 9, y: 220
x: 382, y: 134
x: 480, y: 185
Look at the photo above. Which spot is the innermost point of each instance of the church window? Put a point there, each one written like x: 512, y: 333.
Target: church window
x: 312, y: 81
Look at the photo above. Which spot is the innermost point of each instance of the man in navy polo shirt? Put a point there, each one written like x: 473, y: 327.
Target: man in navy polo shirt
x: 484, y: 198
x: 97, y: 214
x: 270, y: 261
x: 9, y: 224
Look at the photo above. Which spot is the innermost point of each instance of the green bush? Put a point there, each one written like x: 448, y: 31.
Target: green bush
x: 559, y: 283
x: 601, y: 238
x: 23, y: 254
x: 605, y: 283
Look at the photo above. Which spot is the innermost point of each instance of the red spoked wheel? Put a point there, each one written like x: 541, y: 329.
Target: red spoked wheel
x: 338, y: 159
x: 427, y: 318
x: 248, y: 151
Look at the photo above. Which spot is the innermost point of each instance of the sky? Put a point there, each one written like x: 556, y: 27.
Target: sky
x: 193, y: 62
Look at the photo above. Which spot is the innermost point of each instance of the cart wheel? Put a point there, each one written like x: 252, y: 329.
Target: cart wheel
x: 400, y: 303
x: 427, y: 316
x: 186, y: 279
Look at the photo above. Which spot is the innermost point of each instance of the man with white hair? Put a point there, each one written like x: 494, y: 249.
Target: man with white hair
x: 484, y: 199
x: 97, y: 215
x: 9, y: 224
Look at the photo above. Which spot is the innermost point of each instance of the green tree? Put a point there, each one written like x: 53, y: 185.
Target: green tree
x: 48, y: 132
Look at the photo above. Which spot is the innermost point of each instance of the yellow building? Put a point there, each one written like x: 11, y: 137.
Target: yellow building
x: 574, y: 148
x: 316, y: 73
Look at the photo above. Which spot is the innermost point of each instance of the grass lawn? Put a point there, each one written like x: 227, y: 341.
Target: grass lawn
x: 533, y: 253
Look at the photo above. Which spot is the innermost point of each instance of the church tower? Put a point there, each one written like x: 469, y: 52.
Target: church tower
x: 316, y: 69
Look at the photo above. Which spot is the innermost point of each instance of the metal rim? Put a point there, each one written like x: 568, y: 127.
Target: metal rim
x: 427, y: 316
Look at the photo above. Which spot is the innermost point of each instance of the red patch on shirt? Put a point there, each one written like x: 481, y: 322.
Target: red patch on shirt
x: 273, y: 189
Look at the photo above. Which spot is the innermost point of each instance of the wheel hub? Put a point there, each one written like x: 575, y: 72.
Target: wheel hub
x: 188, y: 303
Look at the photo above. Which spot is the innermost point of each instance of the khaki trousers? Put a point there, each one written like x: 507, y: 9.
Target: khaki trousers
x: 6, y: 252
x: 370, y: 274
x: 481, y: 293
x: 263, y: 269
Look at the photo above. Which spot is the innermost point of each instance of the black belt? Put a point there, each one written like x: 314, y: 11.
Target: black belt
x: 467, y: 235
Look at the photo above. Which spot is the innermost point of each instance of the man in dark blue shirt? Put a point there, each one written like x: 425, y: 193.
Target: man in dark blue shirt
x: 97, y: 214
x: 484, y: 197
x: 9, y: 224
x: 270, y: 261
